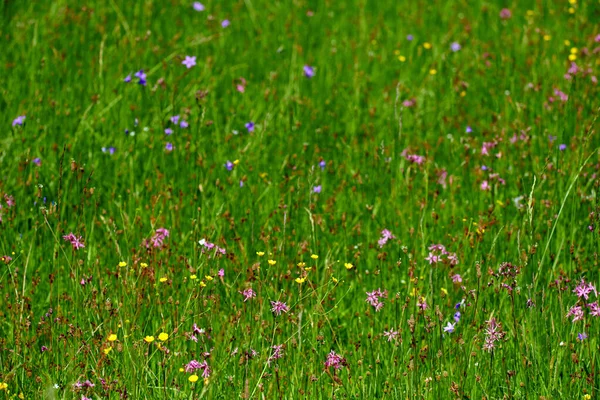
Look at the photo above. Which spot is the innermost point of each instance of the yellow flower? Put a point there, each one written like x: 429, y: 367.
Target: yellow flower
x: 427, y: 45
x: 144, y: 265
x: 163, y: 337
x: 272, y: 262
x: 572, y: 57
x: 348, y: 265
x: 567, y: 42
x: 573, y: 2
x: 530, y: 13
x: 307, y: 268
x: 401, y: 58
x: 206, y: 381
x: 181, y: 370
x: 260, y: 253
x: 3, y: 385
x: 112, y: 337
x: 202, y: 284
x: 334, y: 279
x: 236, y: 162
x: 547, y: 38
x: 574, y: 50
x: 193, y: 378
x: 463, y: 93
x: 149, y: 339
x: 432, y: 71
x: 587, y: 397
x: 444, y: 291
x: 300, y: 280
x: 163, y: 279
x: 193, y: 277
x: 301, y: 264
x: 397, y: 52
x: 122, y: 264
x: 571, y: 10
x: 21, y: 396
x: 314, y: 256
x: 208, y: 278
x: 107, y: 350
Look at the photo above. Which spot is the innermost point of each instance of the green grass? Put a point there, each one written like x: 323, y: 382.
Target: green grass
x: 62, y: 65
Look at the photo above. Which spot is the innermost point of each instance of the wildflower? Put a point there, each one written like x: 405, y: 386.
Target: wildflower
x: 163, y: 279
x: 112, y: 337
x: 3, y: 385
x: 455, y: 46
x: 373, y: 298
x: 505, y: 13
x: 314, y: 256
x: 260, y: 253
x: 309, y: 71
x: 189, y: 61
x: 225, y: 23
x: 391, y: 334
x: 581, y: 336
x: 37, y: 161
x: 127, y: 79
x: 432, y: 71
x: 584, y: 289
x: 272, y: 262
x: 107, y: 350
x: 144, y: 265
x: 433, y: 259
x: 19, y: 120
x: 485, y: 186
x: 168, y: 131
x: 317, y: 189
x: 348, y: 266
x: 456, y: 278
x: 457, y: 316
x: 576, y: 312
x: 221, y: 273
x: 159, y: 236
x: 427, y: 45
x: 449, y: 328
x: 322, y: 164
x: 250, y: 126
x: 198, y: 6
x: 410, y: 37
x: 193, y: 378
x: 385, y: 236
x: 278, y: 307
x: 122, y: 264
x: 141, y: 75
x: 301, y: 264
x: 422, y: 303
x: 335, y: 360
x: 493, y: 334
x: 74, y: 240
x: 300, y: 280
x: 163, y: 337
x: 183, y: 124
x: 277, y: 352
x: 468, y: 129
x: 174, y: 119
x: 248, y: 294
x: 401, y: 58
x: 149, y: 339
x: 594, y: 309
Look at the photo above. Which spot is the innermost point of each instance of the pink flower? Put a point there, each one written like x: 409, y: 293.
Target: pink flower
x: 505, y: 13
x: 278, y: 307
x: 576, y: 312
x: 74, y: 240
x: 248, y: 294
x: 456, y: 278
x: 277, y: 353
x: 485, y: 185
x: 391, y: 334
x: 335, y: 360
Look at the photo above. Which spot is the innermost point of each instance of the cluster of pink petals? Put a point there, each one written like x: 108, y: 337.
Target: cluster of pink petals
x: 76, y: 241
x: 374, y: 298
x: 335, y: 360
x: 385, y: 236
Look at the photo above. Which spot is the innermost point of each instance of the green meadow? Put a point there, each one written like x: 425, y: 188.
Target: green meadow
x: 303, y: 199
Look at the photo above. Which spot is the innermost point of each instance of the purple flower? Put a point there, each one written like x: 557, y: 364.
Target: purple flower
x: 455, y: 46
x: 250, y: 126
x: 184, y: 124
x: 141, y: 75
x: 127, y: 79
x: 248, y: 294
x: 309, y: 71
x: 562, y: 147
x: 468, y: 130
x: 457, y: 316
x: 317, y: 189
x: 168, y: 131
x: 449, y: 328
x: 189, y: 61
x: 505, y: 13
x: 278, y: 307
x: 37, y: 161
x: 19, y: 120
x: 74, y: 240
x: 322, y: 164
x: 409, y: 37
x: 581, y: 336
x: 198, y: 6
x: 225, y: 23
x: 175, y: 119
x: 43, y: 349
x: 335, y: 360
x: 277, y: 352
x: 229, y: 165
x: 169, y: 146
x: 110, y: 150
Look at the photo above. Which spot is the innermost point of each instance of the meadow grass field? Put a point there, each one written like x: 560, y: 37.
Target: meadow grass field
x: 309, y: 199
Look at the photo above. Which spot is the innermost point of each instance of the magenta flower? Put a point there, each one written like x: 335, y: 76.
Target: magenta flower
x: 335, y: 360
x: 493, y: 334
x: 385, y: 236
x: 189, y: 61
x: 248, y: 294
x: 159, y: 237
x: 74, y: 240
x: 278, y: 307
x: 456, y: 278
x: 277, y: 353
x: 505, y: 13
